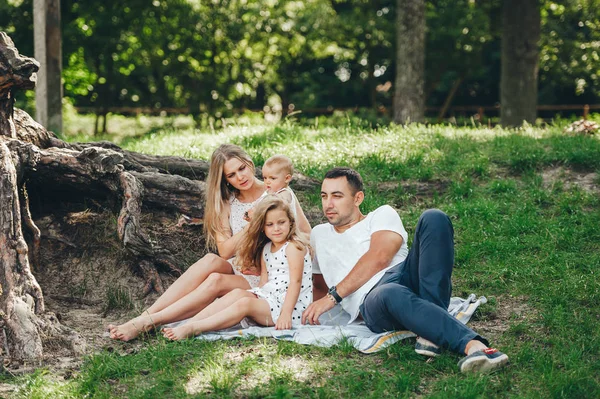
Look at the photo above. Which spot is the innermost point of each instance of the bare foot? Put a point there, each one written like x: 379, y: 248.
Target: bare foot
x: 132, y: 329
x: 180, y: 332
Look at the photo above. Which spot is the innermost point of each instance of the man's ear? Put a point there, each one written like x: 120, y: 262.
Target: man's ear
x: 288, y: 178
x: 359, y: 197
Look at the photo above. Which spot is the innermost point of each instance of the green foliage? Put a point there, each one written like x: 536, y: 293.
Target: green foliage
x: 219, y: 58
x: 570, y: 55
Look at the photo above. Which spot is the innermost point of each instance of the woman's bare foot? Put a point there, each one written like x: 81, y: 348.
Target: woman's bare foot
x: 180, y: 332
x: 132, y: 329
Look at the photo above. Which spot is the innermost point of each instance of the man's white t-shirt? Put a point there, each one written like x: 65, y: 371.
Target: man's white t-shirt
x: 336, y: 254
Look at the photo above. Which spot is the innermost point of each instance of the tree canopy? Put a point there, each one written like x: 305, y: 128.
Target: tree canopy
x: 221, y: 55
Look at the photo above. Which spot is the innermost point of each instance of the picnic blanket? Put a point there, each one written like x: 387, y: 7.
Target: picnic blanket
x: 334, y: 328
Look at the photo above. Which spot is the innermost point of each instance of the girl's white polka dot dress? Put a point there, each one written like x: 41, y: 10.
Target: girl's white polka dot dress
x: 274, y: 291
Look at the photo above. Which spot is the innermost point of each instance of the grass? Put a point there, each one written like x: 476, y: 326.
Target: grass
x: 117, y: 298
x: 526, y: 238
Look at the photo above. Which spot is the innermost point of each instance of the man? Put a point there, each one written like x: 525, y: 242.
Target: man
x: 365, y: 262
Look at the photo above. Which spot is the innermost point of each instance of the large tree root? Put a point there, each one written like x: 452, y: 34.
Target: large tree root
x: 100, y: 172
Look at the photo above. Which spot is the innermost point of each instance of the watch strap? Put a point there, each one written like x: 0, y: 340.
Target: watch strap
x: 335, y: 295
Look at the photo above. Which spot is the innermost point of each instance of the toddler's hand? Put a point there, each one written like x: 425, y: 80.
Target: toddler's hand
x: 248, y: 215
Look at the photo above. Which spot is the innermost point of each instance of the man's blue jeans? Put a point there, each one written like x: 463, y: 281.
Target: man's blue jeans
x: 415, y: 294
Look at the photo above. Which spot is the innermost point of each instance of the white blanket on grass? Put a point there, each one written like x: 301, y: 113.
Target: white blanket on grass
x: 334, y: 328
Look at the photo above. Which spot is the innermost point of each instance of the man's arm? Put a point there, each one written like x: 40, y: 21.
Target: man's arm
x: 384, y: 245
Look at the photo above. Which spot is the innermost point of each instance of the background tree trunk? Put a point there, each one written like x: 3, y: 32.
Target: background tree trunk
x: 521, y: 23
x: 48, y: 50
x: 409, y: 90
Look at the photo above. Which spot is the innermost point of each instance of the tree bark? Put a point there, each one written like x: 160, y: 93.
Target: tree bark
x: 520, y: 56
x: 409, y: 90
x: 21, y: 297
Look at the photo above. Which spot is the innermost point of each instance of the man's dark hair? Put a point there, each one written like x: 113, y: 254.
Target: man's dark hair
x: 353, y: 177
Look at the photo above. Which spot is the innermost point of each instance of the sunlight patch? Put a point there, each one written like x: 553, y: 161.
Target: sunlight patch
x: 239, y: 372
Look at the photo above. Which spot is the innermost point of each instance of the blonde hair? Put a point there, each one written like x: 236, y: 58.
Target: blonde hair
x: 218, y: 191
x: 282, y: 161
x: 251, y: 247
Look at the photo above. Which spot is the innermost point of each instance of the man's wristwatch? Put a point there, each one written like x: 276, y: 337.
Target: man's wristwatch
x: 333, y: 292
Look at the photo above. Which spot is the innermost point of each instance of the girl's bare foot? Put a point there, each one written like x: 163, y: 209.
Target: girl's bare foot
x: 180, y: 332
x: 132, y: 329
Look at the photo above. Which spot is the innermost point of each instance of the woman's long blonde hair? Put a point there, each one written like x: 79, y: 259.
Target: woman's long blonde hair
x: 251, y: 247
x: 218, y: 191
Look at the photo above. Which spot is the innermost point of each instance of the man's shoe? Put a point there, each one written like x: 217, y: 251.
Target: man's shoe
x: 483, y: 361
x: 427, y: 348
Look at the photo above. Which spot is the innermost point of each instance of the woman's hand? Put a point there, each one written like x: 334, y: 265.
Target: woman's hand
x: 284, y: 322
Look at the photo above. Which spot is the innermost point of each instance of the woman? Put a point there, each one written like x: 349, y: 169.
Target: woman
x: 232, y: 190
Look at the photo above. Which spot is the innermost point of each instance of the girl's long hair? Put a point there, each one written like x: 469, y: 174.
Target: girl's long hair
x: 218, y: 191
x: 251, y: 247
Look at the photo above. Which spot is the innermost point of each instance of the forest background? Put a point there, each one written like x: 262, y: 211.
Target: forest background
x: 218, y: 58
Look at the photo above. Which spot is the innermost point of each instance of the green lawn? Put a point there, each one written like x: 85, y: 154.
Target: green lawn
x: 526, y: 209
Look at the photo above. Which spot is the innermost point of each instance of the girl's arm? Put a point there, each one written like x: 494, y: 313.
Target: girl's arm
x: 264, y: 277
x: 295, y: 259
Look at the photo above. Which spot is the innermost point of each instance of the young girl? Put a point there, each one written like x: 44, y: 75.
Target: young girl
x: 285, y: 288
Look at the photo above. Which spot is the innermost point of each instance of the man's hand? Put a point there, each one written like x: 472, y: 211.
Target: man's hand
x: 284, y: 322
x: 316, y: 309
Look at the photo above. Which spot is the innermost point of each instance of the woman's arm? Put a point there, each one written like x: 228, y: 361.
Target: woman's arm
x: 289, y: 196
x: 295, y: 259
x: 228, y: 243
x: 303, y: 224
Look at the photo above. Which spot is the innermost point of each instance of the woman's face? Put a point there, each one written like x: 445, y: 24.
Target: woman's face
x: 238, y: 174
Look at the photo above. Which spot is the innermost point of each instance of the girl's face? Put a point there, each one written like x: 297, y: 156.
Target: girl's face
x: 277, y: 226
x: 238, y: 174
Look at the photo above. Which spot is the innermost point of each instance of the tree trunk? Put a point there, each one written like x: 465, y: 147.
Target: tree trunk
x: 48, y: 50
x: 520, y: 56
x: 31, y: 155
x: 409, y: 90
